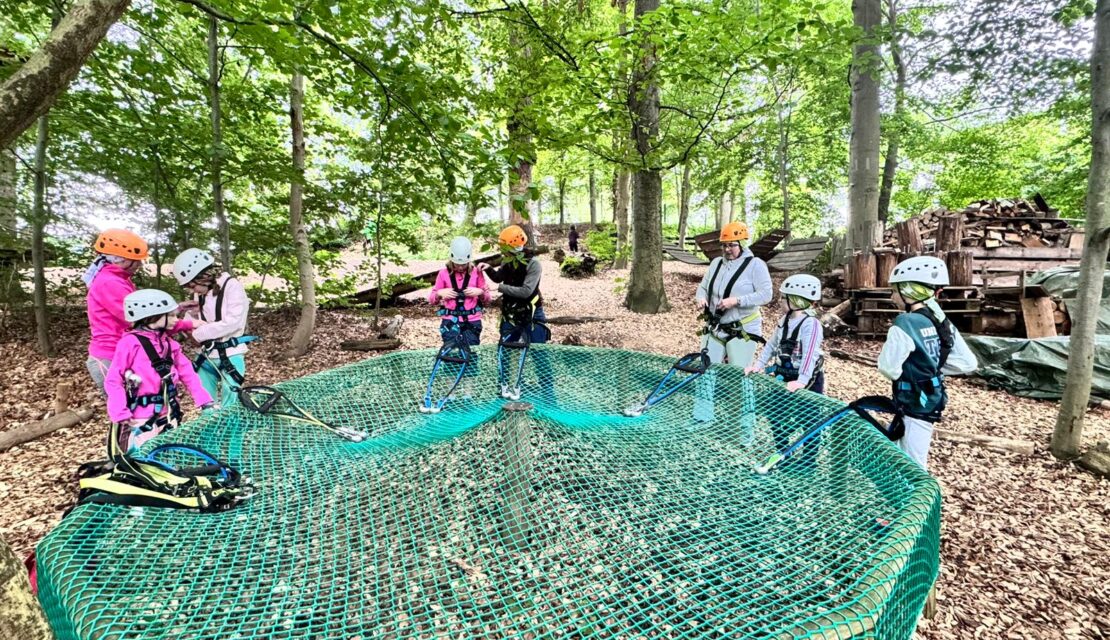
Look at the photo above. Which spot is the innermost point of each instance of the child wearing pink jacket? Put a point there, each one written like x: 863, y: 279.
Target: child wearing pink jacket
x: 461, y: 290
x: 146, y: 371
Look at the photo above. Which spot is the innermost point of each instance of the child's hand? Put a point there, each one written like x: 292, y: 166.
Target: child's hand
x: 447, y: 294
x: 473, y: 292
x: 482, y: 266
x: 794, y: 386
x: 750, y: 369
x: 189, y: 305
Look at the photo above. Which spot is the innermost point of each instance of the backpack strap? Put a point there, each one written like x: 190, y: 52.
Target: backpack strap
x: 219, y: 303
x: 736, y: 276
x: 946, y: 334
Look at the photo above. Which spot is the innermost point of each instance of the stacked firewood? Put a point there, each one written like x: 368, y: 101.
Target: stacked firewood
x: 996, y: 223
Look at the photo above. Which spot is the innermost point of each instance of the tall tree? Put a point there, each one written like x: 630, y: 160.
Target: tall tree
x: 302, y: 337
x: 38, y: 253
x: 562, y: 200
x: 645, y: 282
x: 215, y: 70
x: 894, y: 134
x: 33, y: 88
x: 1068, y: 435
x: 593, y: 196
x: 684, y: 205
x: 622, y: 184
x: 864, y: 229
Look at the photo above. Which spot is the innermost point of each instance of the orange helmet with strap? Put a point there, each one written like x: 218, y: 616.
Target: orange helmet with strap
x: 122, y: 244
x: 513, y: 236
x: 735, y: 232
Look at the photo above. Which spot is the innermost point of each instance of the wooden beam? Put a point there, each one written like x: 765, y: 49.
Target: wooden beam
x: 1026, y: 253
x: 993, y: 443
x: 1040, y: 322
x: 34, y: 430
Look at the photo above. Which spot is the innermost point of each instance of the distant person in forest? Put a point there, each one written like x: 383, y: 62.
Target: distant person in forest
x: 734, y: 288
x: 461, y: 291
x: 572, y: 239
x: 219, y: 307
x: 920, y: 349
x: 119, y: 256
x: 147, y: 369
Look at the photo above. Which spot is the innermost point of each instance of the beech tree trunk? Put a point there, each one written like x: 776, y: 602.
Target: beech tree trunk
x: 32, y: 89
x: 593, y: 197
x: 217, y: 153
x: 10, y: 291
x: 562, y: 200
x: 864, y: 230
x: 38, y: 254
x: 302, y: 337
x: 784, y: 181
x: 622, y: 186
x: 684, y: 206
x: 645, y: 283
x: 1068, y: 435
x: 893, y: 137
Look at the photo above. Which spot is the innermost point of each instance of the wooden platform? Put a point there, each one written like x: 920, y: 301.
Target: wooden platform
x: 682, y: 255
x: 764, y: 248
x: 798, y: 255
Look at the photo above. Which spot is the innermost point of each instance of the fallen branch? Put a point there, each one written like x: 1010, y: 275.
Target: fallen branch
x: 374, y: 344
x: 560, y: 320
x: 854, y: 357
x: 1096, y: 460
x: 1005, y: 445
x: 35, y: 430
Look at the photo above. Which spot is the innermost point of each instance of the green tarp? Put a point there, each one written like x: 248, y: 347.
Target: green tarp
x: 1036, y: 368
x: 1063, y: 283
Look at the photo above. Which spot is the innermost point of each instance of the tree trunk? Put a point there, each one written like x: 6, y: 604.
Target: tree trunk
x: 303, y: 335
x: 623, y: 185
x: 684, y: 206
x: 1068, y: 436
x: 217, y: 157
x: 890, y: 166
x: 784, y: 182
x: 33, y: 88
x: 645, y: 283
x: 502, y: 204
x: 593, y: 197
x: 11, y: 293
x: 863, y: 179
x: 21, y: 616
x: 562, y: 201
x: 38, y: 253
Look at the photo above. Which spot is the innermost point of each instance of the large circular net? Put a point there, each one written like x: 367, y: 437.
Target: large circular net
x: 567, y: 519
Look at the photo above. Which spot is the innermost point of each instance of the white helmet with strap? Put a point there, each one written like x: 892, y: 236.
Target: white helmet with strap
x: 188, y: 265
x: 802, y: 285
x: 460, y: 250
x: 927, y: 270
x: 147, y: 303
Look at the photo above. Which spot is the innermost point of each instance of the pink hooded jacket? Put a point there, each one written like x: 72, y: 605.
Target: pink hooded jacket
x: 130, y: 356
x: 476, y: 279
x: 105, y: 309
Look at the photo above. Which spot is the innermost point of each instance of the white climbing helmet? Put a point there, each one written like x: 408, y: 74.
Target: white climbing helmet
x: 802, y: 285
x: 927, y: 270
x: 460, y: 250
x: 147, y: 303
x: 188, y: 265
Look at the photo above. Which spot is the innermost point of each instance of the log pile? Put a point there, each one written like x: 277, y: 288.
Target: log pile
x: 987, y: 223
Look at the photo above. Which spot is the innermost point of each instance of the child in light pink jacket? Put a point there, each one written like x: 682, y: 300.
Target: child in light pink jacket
x: 146, y: 371
x: 460, y: 290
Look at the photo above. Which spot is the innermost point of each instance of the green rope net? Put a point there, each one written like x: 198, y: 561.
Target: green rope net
x: 568, y: 520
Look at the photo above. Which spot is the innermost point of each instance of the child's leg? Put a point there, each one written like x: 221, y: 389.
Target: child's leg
x: 210, y: 379
x: 98, y: 368
x: 741, y: 352
x: 916, y: 442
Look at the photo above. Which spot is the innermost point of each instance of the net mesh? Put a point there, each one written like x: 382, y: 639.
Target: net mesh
x: 568, y: 520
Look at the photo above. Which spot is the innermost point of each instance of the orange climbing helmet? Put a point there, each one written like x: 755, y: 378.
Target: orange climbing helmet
x: 513, y: 236
x: 122, y: 244
x: 735, y: 232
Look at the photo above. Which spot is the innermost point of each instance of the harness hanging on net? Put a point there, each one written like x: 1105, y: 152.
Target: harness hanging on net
x: 455, y: 353
x: 147, y: 481
x: 693, y: 365
x: 272, y: 402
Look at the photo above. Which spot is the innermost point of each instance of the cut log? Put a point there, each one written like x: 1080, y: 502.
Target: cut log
x: 391, y: 328
x: 62, y: 395
x: 993, y: 443
x: 885, y: 261
x: 374, y: 344
x: 1097, y: 461
x: 562, y: 320
x: 909, y: 238
x: 860, y: 272
x: 995, y: 323
x: 960, y: 268
x: 949, y: 232
x: 21, y: 616
x: 34, y: 430
x: 1038, y: 316
x: 854, y: 357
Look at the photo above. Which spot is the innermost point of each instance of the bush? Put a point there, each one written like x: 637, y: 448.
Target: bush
x: 602, y: 245
x: 581, y: 266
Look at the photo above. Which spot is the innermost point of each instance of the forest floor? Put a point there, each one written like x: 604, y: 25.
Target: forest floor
x: 1025, y: 539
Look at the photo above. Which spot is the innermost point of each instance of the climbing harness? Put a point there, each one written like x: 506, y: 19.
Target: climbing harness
x: 167, y: 393
x: 272, y: 402
x: 455, y: 353
x: 860, y: 407
x: 223, y: 367
x: 692, y: 364
x: 782, y: 366
x: 146, y: 481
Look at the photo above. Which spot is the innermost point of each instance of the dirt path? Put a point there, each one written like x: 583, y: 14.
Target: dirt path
x: 1026, y: 540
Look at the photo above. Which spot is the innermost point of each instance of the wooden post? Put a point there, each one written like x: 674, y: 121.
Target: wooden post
x: 1040, y: 322
x: 860, y: 271
x: 949, y: 233
x: 62, y: 395
x: 909, y: 238
x: 960, y: 267
x: 885, y: 261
